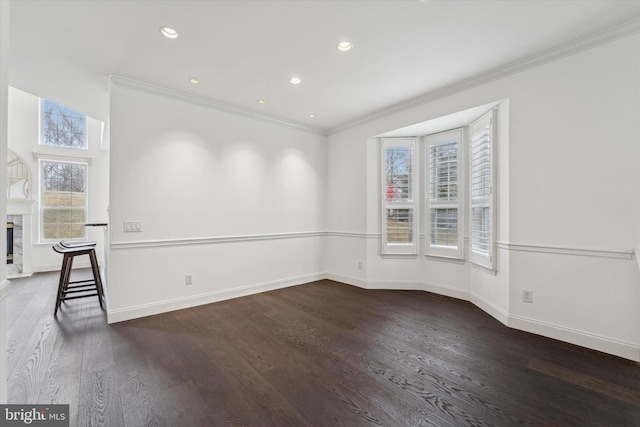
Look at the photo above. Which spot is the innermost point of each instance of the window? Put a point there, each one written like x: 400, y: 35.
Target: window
x: 444, y: 195
x: 481, y: 194
x: 63, y: 200
x: 399, y: 196
x: 62, y: 127
x: 458, y: 189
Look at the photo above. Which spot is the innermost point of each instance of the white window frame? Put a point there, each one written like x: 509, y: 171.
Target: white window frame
x: 42, y: 142
x: 411, y: 202
x: 455, y: 251
x: 478, y: 255
x: 41, y: 199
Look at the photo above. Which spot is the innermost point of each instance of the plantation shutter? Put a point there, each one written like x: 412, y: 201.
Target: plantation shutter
x: 398, y: 195
x: 444, y: 195
x: 481, y: 192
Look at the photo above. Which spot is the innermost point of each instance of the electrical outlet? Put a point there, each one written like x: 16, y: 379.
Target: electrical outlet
x: 360, y: 264
x: 188, y: 279
x: 527, y: 295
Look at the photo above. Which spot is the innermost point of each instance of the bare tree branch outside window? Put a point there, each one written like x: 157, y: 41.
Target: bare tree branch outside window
x: 62, y: 126
x: 398, y: 172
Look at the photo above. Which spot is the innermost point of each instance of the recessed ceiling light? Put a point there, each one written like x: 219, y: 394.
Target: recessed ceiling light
x: 169, y: 32
x: 344, y: 46
x: 262, y: 101
x: 295, y: 80
x: 312, y: 116
x: 194, y: 80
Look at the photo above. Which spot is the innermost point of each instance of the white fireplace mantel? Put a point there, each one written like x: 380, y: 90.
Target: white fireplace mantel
x: 20, y: 206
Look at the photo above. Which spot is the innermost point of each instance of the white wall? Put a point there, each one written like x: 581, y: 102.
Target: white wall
x: 574, y: 152
x: 568, y: 200
x: 23, y: 132
x: 4, y: 102
x: 346, y: 243
x: 237, y: 201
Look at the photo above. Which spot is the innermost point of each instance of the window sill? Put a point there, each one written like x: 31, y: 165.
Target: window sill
x: 38, y: 155
x: 490, y: 270
x: 451, y: 259
x: 399, y: 255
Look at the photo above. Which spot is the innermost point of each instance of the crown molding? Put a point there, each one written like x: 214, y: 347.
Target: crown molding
x: 210, y: 103
x: 581, y: 44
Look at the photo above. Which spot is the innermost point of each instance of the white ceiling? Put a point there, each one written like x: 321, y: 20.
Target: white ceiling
x: 243, y: 51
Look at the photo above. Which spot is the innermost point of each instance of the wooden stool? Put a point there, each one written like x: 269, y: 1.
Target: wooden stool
x: 80, y: 288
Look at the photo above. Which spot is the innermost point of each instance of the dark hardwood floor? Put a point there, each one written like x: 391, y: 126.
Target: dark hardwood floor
x: 320, y: 354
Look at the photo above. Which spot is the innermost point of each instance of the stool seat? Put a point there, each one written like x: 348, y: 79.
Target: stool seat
x: 80, y: 288
x: 77, y: 244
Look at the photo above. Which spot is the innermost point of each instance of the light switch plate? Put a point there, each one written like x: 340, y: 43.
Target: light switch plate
x: 132, y: 226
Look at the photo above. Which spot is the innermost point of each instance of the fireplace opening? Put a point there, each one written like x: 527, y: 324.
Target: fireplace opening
x: 9, y: 242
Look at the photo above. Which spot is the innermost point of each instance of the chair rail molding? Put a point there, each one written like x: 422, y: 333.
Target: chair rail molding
x: 567, y: 250
x: 189, y: 241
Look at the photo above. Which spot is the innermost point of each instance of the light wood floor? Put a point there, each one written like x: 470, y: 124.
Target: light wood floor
x: 321, y: 354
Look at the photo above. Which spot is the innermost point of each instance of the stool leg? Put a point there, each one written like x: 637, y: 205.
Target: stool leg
x: 67, y: 277
x: 96, y: 275
x: 60, y: 284
x: 64, y: 280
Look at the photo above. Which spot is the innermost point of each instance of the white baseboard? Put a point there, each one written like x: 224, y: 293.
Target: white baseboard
x: 128, y: 313
x: 490, y: 308
x: 607, y: 345
x: 416, y: 285
x: 397, y: 285
x: 20, y: 275
x: 56, y: 267
x: 619, y: 348
x: 348, y: 280
x: 448, y: 291
x: 413, y: 285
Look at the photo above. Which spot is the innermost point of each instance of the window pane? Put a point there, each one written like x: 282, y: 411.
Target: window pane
x: 481, y: 165
x: 444, y: 227
x: 399, y: 224
x: 443, y: 171
x: 480, y: 229
x: 62, y: 126
x: 63, y: 200
x: 77, y: 231
x: 398, y: 173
